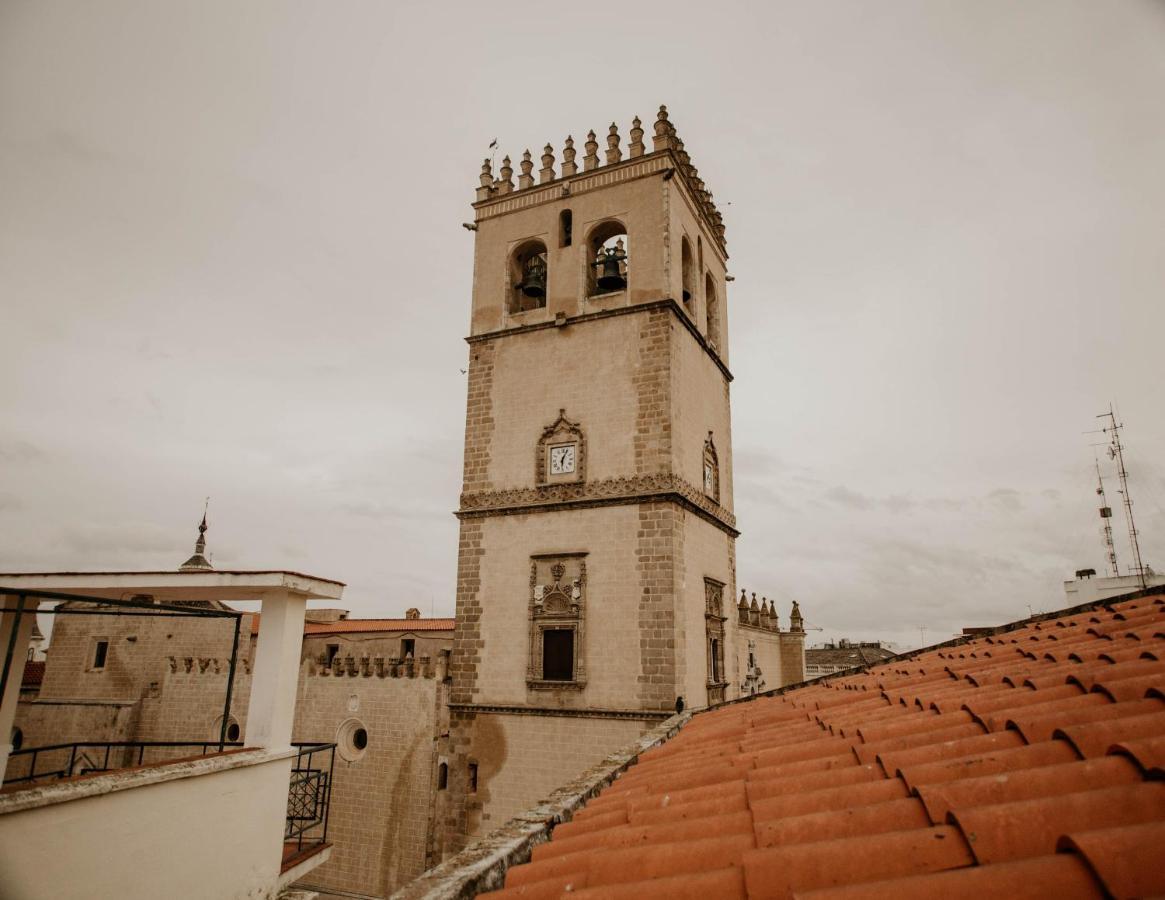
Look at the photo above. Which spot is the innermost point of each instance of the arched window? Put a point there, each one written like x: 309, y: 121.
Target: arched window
x: 565, y: 228
x: 712, y: 305
x: 528, y: 277
x: 689, y: 272
x: 442, y: 776
x: 608, y: 252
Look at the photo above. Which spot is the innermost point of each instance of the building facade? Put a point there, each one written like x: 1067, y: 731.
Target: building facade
x: 375, y: 687
x: 597, y: 566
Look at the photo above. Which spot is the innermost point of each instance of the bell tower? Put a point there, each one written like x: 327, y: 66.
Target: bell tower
x: 597, y: 538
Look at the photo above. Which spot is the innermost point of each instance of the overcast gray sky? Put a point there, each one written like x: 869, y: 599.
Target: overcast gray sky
x: 231, y: 263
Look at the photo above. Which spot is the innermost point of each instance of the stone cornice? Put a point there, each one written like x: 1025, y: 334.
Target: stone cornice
x: 651, y: 305
x: 589, y: 713
x: 608, y: 492
x: 658, y: 162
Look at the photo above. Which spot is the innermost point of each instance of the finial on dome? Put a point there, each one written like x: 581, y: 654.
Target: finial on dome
x: 636, y: 148
x: 546, y: 173
x: 506, y: 182
x: 526, y: 180
x: 591, y: 159
x: 614, y: 154
x: 486, y: 179
x: 664, y: 132
x: 569, y: 166
x: 198, y: 562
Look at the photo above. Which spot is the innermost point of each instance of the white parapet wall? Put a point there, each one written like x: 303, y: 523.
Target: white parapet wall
x: 207, y: 828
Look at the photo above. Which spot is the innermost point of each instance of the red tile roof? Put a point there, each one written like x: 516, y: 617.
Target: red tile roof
x: 361, y: 626
x: 33, y: 674
x: 1026, y: 763
x: 349, y: 626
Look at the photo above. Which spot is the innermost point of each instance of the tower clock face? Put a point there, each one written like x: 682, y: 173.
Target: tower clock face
x: 562, y: 460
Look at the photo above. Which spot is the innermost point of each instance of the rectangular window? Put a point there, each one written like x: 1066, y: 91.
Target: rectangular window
x: 715, y: 661
x: 407, y: 647
x: 473, y: 778
x: 558, y: 654
x: 100, y: 652
x: 333, y: 650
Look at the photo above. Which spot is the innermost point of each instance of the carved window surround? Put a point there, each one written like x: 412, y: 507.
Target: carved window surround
x: 714, y: 619
x: 711, y: 473
x: 557, y: 603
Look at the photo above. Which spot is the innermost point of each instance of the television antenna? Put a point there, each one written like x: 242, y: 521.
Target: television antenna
x: 1116, y: 453
x: 1106, y: 520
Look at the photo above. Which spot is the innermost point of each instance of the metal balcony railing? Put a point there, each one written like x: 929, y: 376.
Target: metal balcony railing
x: 309, y: 791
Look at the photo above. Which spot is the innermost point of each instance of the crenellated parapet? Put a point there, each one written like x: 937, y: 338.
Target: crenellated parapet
x: 373, y: 667
x: 763, y: 615
x: 206, y: 665
x: 666, y: 142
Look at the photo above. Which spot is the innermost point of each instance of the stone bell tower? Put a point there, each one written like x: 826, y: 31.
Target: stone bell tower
x: 597, y: 545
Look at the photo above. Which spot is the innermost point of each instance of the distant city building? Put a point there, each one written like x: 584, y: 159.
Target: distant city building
x: 1088, y: 587
x: 844, y: 654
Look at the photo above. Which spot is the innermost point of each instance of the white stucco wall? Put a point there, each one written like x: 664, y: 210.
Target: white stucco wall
x: 211, y: 828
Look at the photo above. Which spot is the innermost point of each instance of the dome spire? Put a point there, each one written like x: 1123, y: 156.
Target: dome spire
x: 198, y: 562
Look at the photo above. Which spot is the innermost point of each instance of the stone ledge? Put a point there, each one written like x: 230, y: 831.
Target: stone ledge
x: 482, y: 865
x: 649, y: 306
x: 126, y: 779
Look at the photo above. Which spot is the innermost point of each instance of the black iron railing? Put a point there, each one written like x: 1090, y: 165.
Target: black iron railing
x: 309, y: 791
x: 90, y: 757
x: 309, y: 799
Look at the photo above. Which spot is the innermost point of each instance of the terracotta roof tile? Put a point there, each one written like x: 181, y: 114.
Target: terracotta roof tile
x: 1027, y: 763
x: 780, y: 871
x: 1127, y: 859
x: 1064, y: 877
x: 33, y: 674
x: 1028, y: 828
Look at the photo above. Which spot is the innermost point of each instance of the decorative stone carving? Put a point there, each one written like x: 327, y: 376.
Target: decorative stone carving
x: 569, y: 166
x: 552, y: 469
x: 557, y: 603
x: 631, y: 487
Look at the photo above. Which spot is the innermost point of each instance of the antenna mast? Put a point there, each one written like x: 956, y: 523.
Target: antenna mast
x: 1116, y: 453
x: 1106, y: 520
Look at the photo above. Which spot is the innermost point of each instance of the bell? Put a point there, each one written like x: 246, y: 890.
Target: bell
x: 610, y: 278
x: 533, y: 282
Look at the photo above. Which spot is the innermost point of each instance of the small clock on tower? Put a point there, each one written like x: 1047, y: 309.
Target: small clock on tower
x: 562, y: 459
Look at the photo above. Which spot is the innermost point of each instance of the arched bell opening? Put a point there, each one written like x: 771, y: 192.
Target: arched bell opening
x: 607, y: 257
x: 689, y: 273
x: 528, y: 277
x: 712, y: 305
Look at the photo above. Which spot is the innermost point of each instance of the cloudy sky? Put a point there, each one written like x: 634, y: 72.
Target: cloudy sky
x: 231, y: 264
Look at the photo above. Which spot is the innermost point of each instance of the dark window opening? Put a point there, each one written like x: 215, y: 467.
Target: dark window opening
x: 442, y: 776
x: 473, y: 778
x: 407, y: 647
x: 360, y: 738
x: 233, y: 732
x: 607, y: 265
x: 715, y: 661
x: 687, y: 272
x: 100, y: 651
x: 566, y: 228
x: 332, y: 651
x: 712, y: 306
x: 558, y: 654
x: 17, y: 739
x: 528, y: 277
